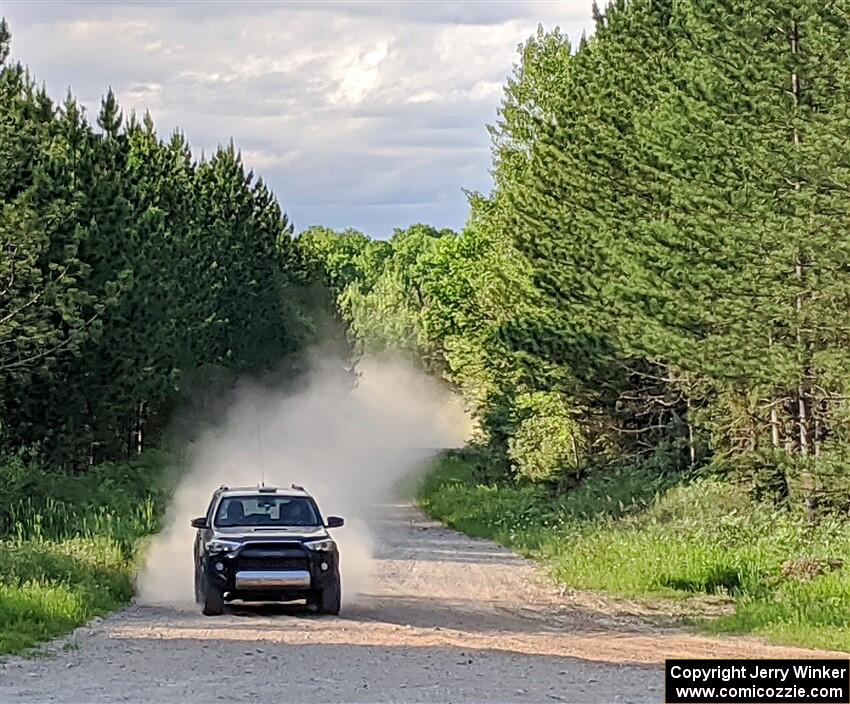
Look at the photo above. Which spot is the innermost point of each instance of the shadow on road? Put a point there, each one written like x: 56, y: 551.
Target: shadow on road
x: 470, y: 616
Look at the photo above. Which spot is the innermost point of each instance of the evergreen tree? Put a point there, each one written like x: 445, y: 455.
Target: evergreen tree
x: 127, y: 273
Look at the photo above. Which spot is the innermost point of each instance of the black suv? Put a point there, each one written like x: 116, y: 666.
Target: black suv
x: 266, y: 544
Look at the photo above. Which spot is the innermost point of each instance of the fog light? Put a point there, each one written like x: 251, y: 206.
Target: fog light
x: 219, y: 566
x: 324, y: 566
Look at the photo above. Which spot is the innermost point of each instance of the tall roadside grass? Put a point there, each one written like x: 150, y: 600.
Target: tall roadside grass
x: 68, y: 543
x: 635, y: 534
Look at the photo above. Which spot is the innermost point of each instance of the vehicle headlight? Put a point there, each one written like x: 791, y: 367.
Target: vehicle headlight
x: 323, y: 545
x: 214, y: 547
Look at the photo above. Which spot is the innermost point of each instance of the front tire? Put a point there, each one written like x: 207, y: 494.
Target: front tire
x: 199, y: 592
x: 329, y: 599
x: 213, y: 600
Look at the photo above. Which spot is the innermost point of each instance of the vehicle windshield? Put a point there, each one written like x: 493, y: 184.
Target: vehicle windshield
x: 261, y: 510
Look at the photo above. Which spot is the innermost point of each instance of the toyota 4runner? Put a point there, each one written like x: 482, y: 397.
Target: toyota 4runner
x: 265, y: 544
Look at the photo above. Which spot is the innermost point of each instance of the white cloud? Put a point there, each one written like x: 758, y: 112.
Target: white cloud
x: 427, y: 96
x: 364, y: 114
x: 360, y: 76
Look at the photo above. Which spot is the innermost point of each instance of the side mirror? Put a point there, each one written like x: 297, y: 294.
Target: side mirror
x: 199, y: 522
x: 335, y: 522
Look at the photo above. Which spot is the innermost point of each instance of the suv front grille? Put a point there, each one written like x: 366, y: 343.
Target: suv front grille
x: 271, y: 556
x: 273, y: 563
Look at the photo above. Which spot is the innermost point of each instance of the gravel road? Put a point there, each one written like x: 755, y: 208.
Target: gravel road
x: 449, y: 619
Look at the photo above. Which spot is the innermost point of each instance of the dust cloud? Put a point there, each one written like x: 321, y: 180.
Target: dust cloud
x: 351, y: 441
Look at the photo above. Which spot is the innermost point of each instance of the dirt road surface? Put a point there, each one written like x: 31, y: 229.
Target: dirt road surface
x: 450, y: 619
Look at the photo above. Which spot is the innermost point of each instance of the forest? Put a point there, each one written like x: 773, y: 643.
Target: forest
x: 654, y: 294
x: 131, y: 273
x: 661, y: 270
x: 648, y: 315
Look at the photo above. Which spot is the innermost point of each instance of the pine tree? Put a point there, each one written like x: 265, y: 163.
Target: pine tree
x: 5, y: 40
x: 110, y: 116
x: 127, y: 272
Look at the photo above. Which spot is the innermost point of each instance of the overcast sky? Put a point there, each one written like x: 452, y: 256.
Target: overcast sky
x: 359, y: 114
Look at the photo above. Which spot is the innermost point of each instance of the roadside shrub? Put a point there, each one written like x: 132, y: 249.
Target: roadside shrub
x: 547, y: 440
x: 68, y: 542
x: 817, y: 485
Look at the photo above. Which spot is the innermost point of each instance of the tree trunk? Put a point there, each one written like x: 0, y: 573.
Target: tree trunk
x: 692, y: 449
x: 774, y: 427
x: 816, y: 430
x: 575, y: 454
x: 140, y: 424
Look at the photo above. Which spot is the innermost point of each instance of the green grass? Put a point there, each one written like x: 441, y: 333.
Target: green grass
x: 632, y: 533
x: 68, y: 543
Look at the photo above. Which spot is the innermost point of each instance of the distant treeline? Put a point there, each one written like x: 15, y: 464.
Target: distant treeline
x: 129, y: 273
x: 662, y: 270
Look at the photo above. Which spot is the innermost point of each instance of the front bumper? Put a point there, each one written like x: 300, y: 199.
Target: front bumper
x: 284, y: 570
x: 272, y: 579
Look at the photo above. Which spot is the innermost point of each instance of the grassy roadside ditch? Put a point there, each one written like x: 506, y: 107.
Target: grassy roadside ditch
x: 635, y: 535
x: 68, y: 543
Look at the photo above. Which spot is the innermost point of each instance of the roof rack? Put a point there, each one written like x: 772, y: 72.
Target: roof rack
x: 297, y: 487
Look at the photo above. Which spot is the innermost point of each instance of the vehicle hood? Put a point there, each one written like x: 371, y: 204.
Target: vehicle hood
x: 244, y: 533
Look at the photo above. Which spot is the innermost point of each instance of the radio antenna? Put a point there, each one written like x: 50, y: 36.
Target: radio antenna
x: 260, y: 446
